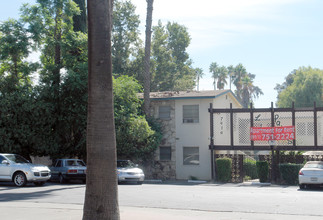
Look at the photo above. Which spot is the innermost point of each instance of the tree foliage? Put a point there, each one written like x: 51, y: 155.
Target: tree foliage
x: 172, y: 67
x: 199, y: 75
x: 125, y: 37
x: 245, y: 91
x: 303, y: 86
x: 17, y: 100
x: 136, y: 137
x: 219, y: 74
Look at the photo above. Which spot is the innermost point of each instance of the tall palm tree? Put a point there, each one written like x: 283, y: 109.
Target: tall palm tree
x: 230, y: 73
x: 214, y: 71
x: 249, y: 91
x: 101, y: 196
x: 147, y: 76
x: 199, y: 74
x: 239, y: 73
x: 222, y: 77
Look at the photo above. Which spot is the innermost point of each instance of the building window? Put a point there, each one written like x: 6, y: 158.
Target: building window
x: 191, y: 156
x: 190, y: 113
x: 164, y: 112
x: 165, y: 153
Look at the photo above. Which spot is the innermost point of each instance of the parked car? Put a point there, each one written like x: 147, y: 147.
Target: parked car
x: 64, y: 170
x: 129, y: 172
x: 311, y: 174
x: 17, y: 169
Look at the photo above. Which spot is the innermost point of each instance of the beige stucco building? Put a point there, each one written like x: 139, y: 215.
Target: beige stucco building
x: 184, y: 152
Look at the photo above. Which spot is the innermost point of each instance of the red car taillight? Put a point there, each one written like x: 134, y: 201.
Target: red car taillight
x: 300, y: 173
x: 72, y: 171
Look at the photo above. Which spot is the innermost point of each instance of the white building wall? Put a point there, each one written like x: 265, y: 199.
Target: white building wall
x: 196, y: 135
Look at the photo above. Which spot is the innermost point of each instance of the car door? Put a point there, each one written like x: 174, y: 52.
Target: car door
x: 4, y: 169
x: 56, y: 169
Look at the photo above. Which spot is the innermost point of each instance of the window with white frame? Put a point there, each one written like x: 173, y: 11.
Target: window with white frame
x: 164, y: 112
x: 190, y: 113
x: 165, y: 153
x: 191, y: 156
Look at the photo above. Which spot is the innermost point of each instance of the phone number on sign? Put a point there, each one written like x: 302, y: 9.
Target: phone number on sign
x: 272, y: 133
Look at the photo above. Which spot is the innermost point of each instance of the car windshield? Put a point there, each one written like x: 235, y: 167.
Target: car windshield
x: 16, y: 158
x: 314, y: 165
x: 125, y: 163
x: 75, y: 163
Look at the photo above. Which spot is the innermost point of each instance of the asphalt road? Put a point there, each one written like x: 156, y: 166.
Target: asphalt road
x: 167, y: 201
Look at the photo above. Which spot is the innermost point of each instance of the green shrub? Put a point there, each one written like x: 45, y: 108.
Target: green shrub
x: 223, y: 166
x: 289, y: 172
x: 250, y: 169
x: 246, y: 178
x: 262, y: 170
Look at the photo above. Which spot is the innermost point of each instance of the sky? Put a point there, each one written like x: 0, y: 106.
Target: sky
x: 270, y: 38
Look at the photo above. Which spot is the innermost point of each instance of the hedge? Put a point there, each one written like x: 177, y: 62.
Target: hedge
x: 262, y: 170
x: 289, y: 172
x: 223, y: 169
x: 250, y: 169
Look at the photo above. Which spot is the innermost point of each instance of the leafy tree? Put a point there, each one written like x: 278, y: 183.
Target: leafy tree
x: 14, y: 48
x: 303, y: 86
x: 137, y: 138
x: 63, y: 56
x: 79, y: 19
x: 172, y: 66
x: 289, y: 80
x: 125, y: 36
x: 17, y: 100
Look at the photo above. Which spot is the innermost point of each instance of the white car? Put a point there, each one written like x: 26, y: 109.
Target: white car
x: 17, y: 169
x: 311, y: 174
x: 129, y: 172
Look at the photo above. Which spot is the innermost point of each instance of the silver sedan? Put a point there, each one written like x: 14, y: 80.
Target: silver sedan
x: 311, y: 174
x: 129, y: 172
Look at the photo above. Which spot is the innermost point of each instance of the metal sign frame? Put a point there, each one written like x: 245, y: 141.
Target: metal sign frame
x: 271, y: 110
x: 272, y: 146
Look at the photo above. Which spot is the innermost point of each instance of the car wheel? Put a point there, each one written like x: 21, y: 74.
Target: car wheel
x: 39, y: 183
x: 139, y: 182
x: 302, y: 186
x: 61, y: 179
x: 20, y: 179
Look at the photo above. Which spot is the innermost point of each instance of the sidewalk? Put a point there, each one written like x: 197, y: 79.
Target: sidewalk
x: 52, y: 211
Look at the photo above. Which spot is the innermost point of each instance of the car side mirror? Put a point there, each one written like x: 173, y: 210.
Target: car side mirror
x: 5, y: 162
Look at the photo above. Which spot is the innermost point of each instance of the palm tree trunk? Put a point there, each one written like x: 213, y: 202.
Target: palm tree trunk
x: 101, y: 196
x: 147, y: 76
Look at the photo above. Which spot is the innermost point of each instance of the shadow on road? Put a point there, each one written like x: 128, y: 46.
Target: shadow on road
x: 24, y: 193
